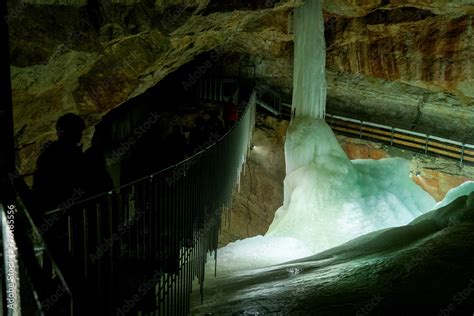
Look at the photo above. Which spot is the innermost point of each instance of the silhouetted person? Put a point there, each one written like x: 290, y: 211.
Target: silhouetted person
x: 97, y: 179
x: 58, y: 179
x: 58, y: 183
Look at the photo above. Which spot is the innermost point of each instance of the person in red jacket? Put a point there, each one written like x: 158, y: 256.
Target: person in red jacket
x: 230, y: 114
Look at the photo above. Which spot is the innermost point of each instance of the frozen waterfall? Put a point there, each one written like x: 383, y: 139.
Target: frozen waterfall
x: 309, y: 80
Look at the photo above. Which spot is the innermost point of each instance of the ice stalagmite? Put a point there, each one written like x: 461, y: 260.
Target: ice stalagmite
x: 329, y: 199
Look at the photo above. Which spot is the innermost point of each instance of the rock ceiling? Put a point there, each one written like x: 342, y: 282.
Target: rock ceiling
x: 398, y: 62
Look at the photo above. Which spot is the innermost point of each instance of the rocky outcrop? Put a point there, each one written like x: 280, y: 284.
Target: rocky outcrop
x: 407, y: 64
x: 104, y: 58
x: 261, y: 185
x: 407, y: 45
x: 400, y: 105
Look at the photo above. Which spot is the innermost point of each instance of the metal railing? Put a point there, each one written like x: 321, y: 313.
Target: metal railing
x: 28, y: 290
x: 269, y: 100
x: 217, y: 89
x: 139, y: 247
x: 414, y: 141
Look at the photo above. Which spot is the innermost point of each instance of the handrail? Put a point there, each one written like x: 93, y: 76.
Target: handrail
x: 155, y: 174
x: 38, y: 293
x: 416, y: 141
x: 157, y: 228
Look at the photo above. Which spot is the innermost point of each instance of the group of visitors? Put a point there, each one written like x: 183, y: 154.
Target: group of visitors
x: 64, y: 172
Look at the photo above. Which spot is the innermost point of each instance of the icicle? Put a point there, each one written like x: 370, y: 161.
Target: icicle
x: 309, y: 82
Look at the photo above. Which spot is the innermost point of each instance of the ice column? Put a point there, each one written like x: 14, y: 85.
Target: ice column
x: 309, y: 81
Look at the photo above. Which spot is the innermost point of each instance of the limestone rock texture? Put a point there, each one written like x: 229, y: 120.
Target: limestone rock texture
x: 407, y: 64
x: 261, y: 185
x: 91, y: 57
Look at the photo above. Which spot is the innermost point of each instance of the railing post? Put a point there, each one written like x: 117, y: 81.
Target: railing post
x: 426, y: 143
x: 391, y: 136
x: 7, y: 146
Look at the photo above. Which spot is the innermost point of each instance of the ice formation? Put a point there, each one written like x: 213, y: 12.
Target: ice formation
x: 464, y: 189
x: 309, y: 82
x: 328, y: 200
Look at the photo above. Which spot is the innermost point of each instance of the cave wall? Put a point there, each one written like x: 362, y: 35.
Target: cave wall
x: 89, y: 59
x: 261, y: 186
x: 401, y: 62
x: 404, y: 63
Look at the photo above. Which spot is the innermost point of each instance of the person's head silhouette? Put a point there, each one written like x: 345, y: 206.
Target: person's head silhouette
x: 69, y: 128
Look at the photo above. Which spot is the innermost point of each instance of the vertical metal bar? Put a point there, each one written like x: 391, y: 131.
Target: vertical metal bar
x: 426, y: 143
x: 97, y: 244
x: 200, y: 89
x: 211, y: 89
x: 111, y: 251
x: 145, y: 219
x: 215, y: 90
x: 85, y: 240
x: 7, y: 145
x: 462, y: 153
x: 391, y: 137
x: 221, y: 97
